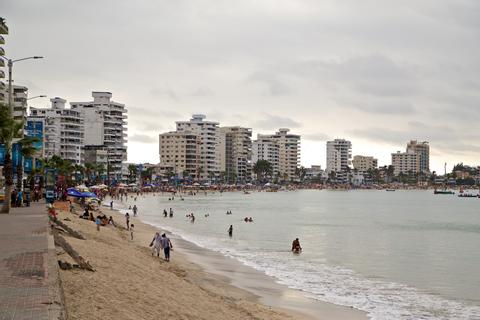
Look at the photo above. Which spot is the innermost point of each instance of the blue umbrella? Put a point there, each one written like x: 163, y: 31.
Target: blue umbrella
x: 72, y: 192
x: 89, y: 195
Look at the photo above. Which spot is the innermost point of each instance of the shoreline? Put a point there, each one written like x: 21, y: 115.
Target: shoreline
x: 216, y: 271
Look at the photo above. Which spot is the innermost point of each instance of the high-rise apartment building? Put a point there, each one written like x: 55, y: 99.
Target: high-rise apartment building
x: 3, y: 63
x: 364, y: 163
x: 180, y: 152
x: 339, y: 153
x: 63, y: 131
x: 266, y: 148
x: 208, y: 140
x: 423, y: 149
x: 405, y: 162
x: 236, y: 152
x: 281, y: 149
x: 105, y: 125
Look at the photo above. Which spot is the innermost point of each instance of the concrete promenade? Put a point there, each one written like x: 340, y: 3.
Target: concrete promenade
x: 29, y: 279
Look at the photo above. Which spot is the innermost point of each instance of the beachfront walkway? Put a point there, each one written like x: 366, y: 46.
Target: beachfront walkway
x: 29, y: 283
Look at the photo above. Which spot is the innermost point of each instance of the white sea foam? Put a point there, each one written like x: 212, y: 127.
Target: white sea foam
x: 380, y: 299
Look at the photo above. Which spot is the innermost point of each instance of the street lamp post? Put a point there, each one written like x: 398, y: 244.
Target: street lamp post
x: 10, y: 80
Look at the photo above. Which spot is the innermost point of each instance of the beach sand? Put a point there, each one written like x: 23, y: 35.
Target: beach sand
x: 128, y: 283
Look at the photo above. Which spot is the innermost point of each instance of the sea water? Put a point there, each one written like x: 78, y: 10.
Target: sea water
x: 395, y: 255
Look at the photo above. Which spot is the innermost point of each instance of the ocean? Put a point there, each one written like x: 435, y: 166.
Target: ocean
x: 394, y: 255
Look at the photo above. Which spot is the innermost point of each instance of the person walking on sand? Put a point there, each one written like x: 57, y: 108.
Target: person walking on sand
x: 98, y: 222
x: 156, y: 244
x: 111, y: 205
x: 230, y: 231
x: 127, y: 218
x: 135, y: 209
x: 131, y: 230
x: 166, y: 245
x: 296, y: 248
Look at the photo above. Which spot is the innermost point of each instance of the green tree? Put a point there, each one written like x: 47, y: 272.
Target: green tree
x: 9, y: 129
x: 27, y: 150
x: 132, y: 173
x: 262, y: 169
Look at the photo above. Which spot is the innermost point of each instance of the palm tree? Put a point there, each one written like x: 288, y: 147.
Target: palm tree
x: 262, y: 168
x: 132, y: 172
x: 9, y: 129
x: 89, y: 171
x: 100, y: 170
x: 27, y: 150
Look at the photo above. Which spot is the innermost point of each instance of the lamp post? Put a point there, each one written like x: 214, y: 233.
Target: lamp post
x: 40, y: 96
x: 10, y: 63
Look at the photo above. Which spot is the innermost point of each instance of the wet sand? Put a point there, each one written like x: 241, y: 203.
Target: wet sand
x: 197, y: 284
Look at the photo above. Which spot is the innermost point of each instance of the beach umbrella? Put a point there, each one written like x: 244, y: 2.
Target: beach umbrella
x: 196, y: 184
x: 72, y: 192
x: 89, y: 195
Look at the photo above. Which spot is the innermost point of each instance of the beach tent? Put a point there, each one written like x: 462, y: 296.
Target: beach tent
x: 196, y: 184
x: 132, y: 185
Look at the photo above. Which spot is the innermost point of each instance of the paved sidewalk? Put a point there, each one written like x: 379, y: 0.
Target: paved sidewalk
x: 29, y: 282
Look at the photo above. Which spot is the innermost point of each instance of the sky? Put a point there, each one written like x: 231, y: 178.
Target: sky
x: 378, y: 73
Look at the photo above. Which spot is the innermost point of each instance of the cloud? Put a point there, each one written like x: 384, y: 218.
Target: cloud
x: 142, y: 138
x: 272, y: 82
x: 270, y: 122
x: 442, y: 138
x: 319, y: 136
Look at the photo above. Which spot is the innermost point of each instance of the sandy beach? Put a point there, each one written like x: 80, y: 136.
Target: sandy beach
x: 129, y: 283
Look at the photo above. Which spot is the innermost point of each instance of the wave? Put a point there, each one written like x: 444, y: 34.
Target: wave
x: 381, y: 300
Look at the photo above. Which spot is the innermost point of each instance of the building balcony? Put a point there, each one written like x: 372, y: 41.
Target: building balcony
x: 2, y: 74
x: 2, y: 40
x: 3, y: 27
x: 2, y: 52
x: 2, y: 62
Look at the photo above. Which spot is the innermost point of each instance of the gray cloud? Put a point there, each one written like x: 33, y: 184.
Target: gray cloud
x: 271, y: 122
x: 372, y: 65
x: 319, y: 136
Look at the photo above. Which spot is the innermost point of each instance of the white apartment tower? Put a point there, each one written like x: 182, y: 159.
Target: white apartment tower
x: 236, y: 152
x: 281, y: 149
x: 3, y: 63
x: 423, y: 149
x: 64, y: 131
x: 208, y: 139
x: 339, y: 153
x: 105, y: 125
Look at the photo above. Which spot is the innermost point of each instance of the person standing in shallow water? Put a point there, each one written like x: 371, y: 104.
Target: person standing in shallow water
x: 296, y: 248
x: 230, y: 231
x: 135, y: 209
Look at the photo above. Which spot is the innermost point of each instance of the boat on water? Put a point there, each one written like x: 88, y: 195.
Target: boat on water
x: 443, y: 192
x: 390, y: 190
x: 468, y: 195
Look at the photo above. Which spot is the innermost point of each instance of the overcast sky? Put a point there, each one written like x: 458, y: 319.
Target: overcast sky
x: 376, y: 72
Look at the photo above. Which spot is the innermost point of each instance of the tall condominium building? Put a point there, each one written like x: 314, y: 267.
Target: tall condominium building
x: 181, y: 153
x: 266, y: 148
x: 364, y: 163
x: 281, y: 149
x: 3, y: 63
x: 63, y: 132
x: 236, y: 152
x: 423, y: 149
x: 339, y: 153
x: 208, y: 136
x: 105, y: 125
x: 405, y: 162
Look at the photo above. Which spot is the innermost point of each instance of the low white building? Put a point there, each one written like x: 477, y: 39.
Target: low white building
x: 405, y: 162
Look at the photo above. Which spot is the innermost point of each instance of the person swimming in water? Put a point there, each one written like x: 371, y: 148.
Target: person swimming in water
x: 230, y: 231
x: 296, y: 248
